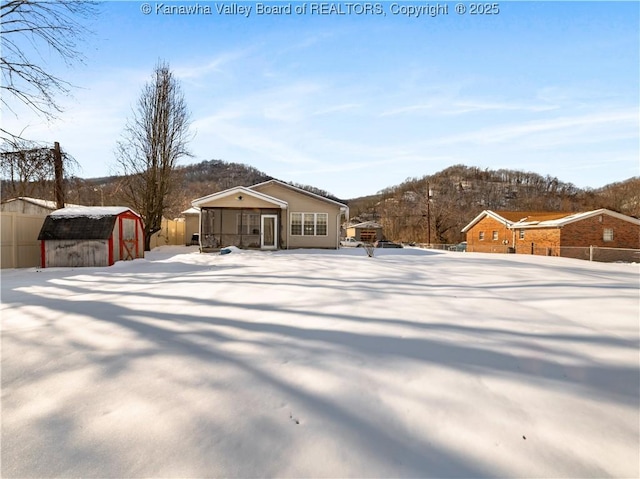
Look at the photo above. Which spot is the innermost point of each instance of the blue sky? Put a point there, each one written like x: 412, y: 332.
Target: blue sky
x: 356, y: 103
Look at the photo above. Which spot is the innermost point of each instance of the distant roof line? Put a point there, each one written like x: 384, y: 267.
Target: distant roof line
x: 90, y: 211
x: 544, y: 219
x: 48, y: 204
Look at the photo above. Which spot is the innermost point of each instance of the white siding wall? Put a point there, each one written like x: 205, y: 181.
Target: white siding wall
x: 75, y: 253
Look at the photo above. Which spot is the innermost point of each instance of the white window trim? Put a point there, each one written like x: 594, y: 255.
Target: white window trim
x: 604, y: 235
x: 315, y: 223
x: 248, y: 224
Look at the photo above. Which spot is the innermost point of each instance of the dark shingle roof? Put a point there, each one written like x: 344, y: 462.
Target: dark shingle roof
x: 79, y: 227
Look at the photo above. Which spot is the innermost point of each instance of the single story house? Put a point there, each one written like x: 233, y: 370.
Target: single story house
x: 368, y: 232
x: 551, y: 233
x: 269, y: 215
x: 91, y: 236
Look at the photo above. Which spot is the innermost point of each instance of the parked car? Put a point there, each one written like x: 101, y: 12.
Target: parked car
x: 386, y: 244
x: 459, y: 247
x: 351, y: 242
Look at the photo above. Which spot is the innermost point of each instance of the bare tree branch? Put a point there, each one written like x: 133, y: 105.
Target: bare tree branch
x: 31, y: 31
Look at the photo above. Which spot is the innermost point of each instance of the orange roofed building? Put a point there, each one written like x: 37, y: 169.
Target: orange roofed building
x: 551, y: 233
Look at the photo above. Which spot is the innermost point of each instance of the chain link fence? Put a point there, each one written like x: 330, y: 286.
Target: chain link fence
x: 587, y: 253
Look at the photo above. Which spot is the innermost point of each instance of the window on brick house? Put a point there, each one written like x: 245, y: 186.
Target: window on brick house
x: 521, y: 234
x: 495, y: 236
x: 481, y: 235
x: 607, y: 234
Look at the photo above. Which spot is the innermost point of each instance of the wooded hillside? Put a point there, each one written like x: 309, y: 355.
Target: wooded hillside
x: 436, y: 207
x: 457, y: 194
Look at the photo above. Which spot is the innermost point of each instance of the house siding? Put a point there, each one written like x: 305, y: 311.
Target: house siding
x: 302, y: 203
x: 25, y: 208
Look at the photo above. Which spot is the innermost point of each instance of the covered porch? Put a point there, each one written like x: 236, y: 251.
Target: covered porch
x: 246, y: 228
x: 243, y: 218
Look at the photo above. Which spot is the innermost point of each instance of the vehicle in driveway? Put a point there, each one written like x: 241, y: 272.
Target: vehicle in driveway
x: 459, y: 247
x: 351, y: 242
x: 387, y: 244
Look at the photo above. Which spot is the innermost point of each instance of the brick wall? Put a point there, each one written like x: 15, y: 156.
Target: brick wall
x: 590, y: 231
x: 545, y: 241
x: 489, y: 225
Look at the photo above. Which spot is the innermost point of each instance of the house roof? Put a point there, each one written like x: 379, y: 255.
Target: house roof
x: 366, y: 224
x: 543, y: 219
x: 48, y: 204
x: 252, y: 191
x: 300, y: 190
x: 191, y: 211
x: 517, y: 216
x: 239, y: 190
x: 534, y: 222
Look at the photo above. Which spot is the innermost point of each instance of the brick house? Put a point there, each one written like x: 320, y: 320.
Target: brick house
x: 551, y: 233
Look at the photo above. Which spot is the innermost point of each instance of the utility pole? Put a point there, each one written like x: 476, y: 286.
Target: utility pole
x: 428, y: 215
x: 58, y: 173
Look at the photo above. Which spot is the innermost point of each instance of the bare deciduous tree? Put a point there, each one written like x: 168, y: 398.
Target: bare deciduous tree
x: 153, y: 142
x: 28, y: 169
x: 33, y: 30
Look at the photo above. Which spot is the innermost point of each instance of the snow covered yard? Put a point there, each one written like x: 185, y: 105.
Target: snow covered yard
x: 322, y: 364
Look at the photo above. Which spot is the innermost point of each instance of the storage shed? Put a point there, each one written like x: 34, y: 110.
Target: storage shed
x: 91, y: 236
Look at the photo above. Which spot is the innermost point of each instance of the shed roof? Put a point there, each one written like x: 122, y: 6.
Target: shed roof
x: 82, y: 222
x: 92, y: 211
x: 77, y: 227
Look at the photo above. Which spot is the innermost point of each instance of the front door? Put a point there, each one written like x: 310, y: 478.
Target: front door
x: 269, y: 232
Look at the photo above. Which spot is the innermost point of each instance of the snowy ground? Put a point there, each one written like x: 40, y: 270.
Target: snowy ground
x: 322, y: 364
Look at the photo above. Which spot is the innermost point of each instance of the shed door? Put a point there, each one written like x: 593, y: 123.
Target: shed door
x: 128, y: 239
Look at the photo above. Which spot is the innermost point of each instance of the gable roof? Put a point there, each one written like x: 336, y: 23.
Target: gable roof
x: 366, y: 224
x: 77, y: 228
x: 300, y: 190
x: 543, y: 219
x: 81, y: 223
x: 48, y: 204
x: 90, y: 211
x: 239, y: 190
x: 534, y: 222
